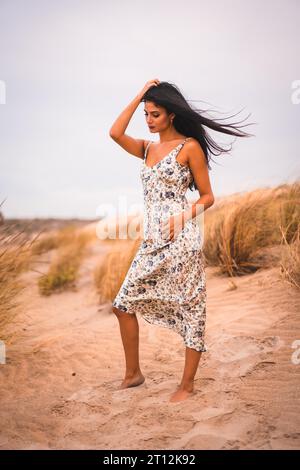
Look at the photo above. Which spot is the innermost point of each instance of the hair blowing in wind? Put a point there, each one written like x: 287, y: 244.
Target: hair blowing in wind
x: 191, y: 121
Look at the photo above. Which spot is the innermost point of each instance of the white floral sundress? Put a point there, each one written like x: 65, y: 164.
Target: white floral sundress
x: 166, y: 282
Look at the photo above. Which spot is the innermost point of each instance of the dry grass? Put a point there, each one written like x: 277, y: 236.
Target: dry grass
x: 237, y: 230
x: 290, y: 260
x: 15, y: 258
x: 242, y: 234
x: 110, y: 274
x: 62, y: 273
x: 55, y: 239
x: 19, y: 252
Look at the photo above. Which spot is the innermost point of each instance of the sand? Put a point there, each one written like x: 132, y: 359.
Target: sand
x: 59, y: 386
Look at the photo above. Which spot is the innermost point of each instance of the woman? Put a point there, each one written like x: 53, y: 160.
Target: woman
x: 165, y: 283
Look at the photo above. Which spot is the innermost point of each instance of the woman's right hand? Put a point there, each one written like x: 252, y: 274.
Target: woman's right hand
x: 148, y: 85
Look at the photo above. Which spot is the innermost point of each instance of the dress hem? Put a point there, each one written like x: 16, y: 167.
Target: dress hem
x: 171, y: 327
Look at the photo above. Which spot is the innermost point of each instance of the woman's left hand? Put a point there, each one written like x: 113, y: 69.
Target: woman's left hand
x: 173, y: 226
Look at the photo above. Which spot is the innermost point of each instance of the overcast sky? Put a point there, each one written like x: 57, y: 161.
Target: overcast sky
x: 69, y: 67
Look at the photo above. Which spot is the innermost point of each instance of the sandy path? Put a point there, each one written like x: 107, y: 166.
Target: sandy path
x: 59, y: 385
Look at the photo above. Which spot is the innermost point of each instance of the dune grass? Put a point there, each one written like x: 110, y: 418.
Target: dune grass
x: 19, y: 252
x: 109, y: 275
x: 240, y: 234
x: 237, y: 230
x: 62, y: 274
x: 290, y: 259
x: 15, y: 258
x: 54, y: 239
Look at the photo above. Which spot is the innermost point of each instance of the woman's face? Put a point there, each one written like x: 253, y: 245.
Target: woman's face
x: 157, y: 117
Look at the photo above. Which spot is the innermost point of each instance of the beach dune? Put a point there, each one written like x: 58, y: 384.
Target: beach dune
x: 59, y: 386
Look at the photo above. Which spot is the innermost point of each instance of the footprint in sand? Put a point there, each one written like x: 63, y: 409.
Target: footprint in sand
x: 83, y: 402
x: 239, y: 347
x: 239, y: 356
x: 261, y: 367
x: 112, y: 385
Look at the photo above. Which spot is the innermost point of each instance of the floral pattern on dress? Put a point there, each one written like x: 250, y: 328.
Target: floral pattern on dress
x: 166, y: 281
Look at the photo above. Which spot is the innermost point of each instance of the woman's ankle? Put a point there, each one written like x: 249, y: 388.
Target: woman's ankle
x: 133, y: 373
x: 187, y: 386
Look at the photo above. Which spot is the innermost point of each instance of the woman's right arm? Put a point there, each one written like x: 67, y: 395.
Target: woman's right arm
x: 133, y: 146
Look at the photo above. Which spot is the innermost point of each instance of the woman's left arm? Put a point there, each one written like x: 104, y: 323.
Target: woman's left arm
x: 199, y: 169
x: 198, y: 166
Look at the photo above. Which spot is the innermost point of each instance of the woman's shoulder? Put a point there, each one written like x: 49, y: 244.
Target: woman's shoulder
x: 191, y: 142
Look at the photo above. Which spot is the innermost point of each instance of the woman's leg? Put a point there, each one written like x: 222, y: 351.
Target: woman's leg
x: 129, y: 329
x: 186, y: 387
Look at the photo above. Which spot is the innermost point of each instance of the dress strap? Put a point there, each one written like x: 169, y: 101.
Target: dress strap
x: 146, y: 150
x: 179, y: 146
x: 187, y: 138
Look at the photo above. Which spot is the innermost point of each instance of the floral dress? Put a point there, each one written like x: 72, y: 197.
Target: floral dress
x: 166, y: 282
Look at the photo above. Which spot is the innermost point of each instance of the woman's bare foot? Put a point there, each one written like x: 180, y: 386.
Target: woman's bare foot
x: 133, y: 381
x: 182, y: 394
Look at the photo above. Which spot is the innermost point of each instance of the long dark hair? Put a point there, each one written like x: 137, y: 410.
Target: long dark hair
x: 189, y: 121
